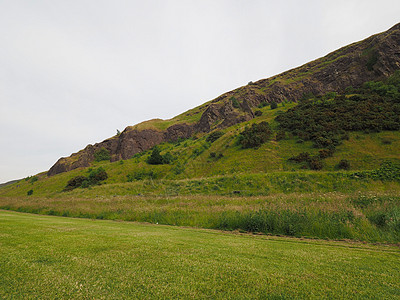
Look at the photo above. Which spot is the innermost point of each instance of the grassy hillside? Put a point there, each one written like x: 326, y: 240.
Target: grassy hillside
x: 344, y: 144
x: 52, y: 257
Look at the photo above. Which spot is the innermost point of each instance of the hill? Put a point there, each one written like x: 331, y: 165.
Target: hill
x: 374, y: 58
x: 323, y: 161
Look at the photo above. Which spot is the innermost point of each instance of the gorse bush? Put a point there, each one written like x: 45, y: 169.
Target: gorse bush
x: 213, y: 136
x: 313, y: 162
x: 94, y: 178
x: 344, y: 164
x: 102, y: 154
x: 156, y: 158
x: 255, y: 135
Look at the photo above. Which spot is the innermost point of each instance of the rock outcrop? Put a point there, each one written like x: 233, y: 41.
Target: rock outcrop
x: 371, y: 59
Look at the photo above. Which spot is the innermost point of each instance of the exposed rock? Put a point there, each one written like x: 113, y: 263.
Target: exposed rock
x: 371, y: 59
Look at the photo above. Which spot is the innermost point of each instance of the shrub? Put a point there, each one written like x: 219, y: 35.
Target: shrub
x: 102, y: 154
x: 304, y: 156
x: 29, y: 193
x: 213, y: 136
x: 325, y: 153
x: 344, y: 164
x: 315, y: 163
x: 155, y: 157
x: 255, y: 136
x: 234, y: 102
x: 141, y: 175
x: 274, y: 105
x: 94, y: 177
x: 263, y: 104
x: 33, y: 179
x: 388, y: 171
x: 258, y: 113
x: 280, y: 135
x: 74, y: 183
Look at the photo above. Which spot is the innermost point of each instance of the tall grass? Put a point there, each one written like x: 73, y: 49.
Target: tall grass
x: 370, y: 217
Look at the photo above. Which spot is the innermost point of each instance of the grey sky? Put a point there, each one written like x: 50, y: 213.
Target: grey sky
x: 73, y: 72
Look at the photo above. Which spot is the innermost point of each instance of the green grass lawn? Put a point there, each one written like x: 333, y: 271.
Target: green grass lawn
x: 53, y: 257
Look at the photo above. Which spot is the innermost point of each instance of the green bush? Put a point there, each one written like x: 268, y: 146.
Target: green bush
x: 234, y: 102
x: 29, y: 193
x: 326, y: 120
x: 388, y: 171
x: 344, y: 164
x: 141, y: 175
x: 258, y: 113
x: 156, y: 158
x: 94, y: 178
x: 102, y: 154
x: 33, y: 179
x: 262, y: 104
x: 315, y: 163
x: 274, y: 105
x: 255, y: 136
x: 213, y: 136
x: 75, y: 183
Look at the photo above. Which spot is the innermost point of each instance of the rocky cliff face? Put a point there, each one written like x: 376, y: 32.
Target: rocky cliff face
x: 371, y: 59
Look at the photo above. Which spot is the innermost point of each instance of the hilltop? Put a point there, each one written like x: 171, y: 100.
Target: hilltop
x: 374, y: 58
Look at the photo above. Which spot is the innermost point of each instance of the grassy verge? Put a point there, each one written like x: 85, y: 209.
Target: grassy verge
x: 373, y: 217
x: 52, y: 257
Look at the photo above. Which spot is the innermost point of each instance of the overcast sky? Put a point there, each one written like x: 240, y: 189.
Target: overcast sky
x: 72, y: 72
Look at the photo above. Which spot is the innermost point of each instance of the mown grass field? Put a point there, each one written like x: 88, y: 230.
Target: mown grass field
x: 52, y: 257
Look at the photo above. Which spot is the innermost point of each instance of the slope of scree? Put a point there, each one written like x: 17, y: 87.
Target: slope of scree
x: 374, y: 58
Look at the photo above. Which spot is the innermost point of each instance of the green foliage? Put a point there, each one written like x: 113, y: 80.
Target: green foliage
x: 344, y: 164
x: 141, y: 175
x: 235, y: 102
x: 216, y: 156
x: 213, y: 136
x: 178, y: 169
x: 75, y: 183
x: 274, y: 105
x: 30, y: 192
x: 97, y: 175
x: 102, y: 154
x: 94, y: 178
x: 325, y: 153
x: 156, y: 158
x: 280, y: 135
x: 258, y: 113
x: 388, y: 171
x: 33, y: 179
x: 375, y: 107
x: 255, y: 136
x: 262, y: 104
x: 313, y: 162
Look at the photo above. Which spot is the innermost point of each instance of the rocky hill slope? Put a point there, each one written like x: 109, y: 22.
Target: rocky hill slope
x: 371, y: 59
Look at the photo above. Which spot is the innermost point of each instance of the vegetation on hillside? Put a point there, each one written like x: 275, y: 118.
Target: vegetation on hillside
x: 326, y: 119
x: 259, y: 158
